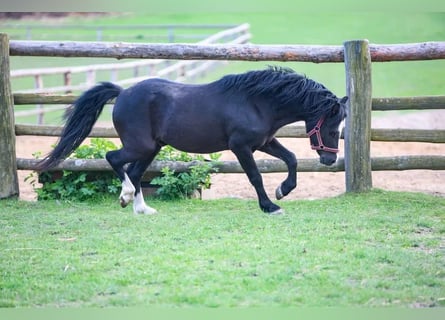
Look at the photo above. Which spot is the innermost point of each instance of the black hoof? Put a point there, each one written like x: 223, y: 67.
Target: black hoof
x: 279, y: 193
x: 272, y: 209
x: 123, y: 203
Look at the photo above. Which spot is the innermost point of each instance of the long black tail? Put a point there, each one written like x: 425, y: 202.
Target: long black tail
x: 80, y: 119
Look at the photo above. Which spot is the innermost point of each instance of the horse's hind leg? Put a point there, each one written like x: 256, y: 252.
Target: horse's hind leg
x: 274, y: 148
x: 117, y: 159
x: 131, y: 180
x: 135, y: 172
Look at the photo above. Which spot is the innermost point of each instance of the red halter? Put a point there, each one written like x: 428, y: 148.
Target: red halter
x: 316, y: 131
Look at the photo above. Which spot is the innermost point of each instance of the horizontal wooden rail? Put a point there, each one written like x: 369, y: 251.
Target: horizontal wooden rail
x: 378, y: 104
x: 245, y: 52
x: 408, y: 135
x: 407, y: 51
x: 121, y: 50
x: 290, y: 131
x: 43, y: 98
x: 408, y: 103
x: 264, y: 165
x: 429, y: 162
x: 55, y: 131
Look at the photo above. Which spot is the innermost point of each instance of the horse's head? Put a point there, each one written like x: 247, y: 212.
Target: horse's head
x: 324, y: 132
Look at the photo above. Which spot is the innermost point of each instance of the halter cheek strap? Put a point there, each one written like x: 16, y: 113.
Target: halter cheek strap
x: 316, y: 131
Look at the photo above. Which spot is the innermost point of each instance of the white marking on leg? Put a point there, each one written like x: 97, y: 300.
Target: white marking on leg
x: 139, y: 205
x: 276, y: 212
x: 127, y: 193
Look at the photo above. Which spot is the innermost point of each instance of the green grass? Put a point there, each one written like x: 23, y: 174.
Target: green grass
x: 374, y: 249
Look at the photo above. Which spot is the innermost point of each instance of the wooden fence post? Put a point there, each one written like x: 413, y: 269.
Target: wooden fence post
x: 9, y: 186
x: 358, y: 170
x: 38, y: 81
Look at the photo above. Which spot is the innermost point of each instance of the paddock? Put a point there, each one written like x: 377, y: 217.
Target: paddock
x: 358, y: 134
x: 360, y: 249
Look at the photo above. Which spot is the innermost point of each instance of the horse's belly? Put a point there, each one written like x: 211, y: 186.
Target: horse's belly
x: 196, y: 140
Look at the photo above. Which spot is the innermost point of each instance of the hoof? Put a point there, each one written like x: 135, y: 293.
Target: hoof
x: 279, y: 194
x: 277, y: 212
x: 125, y: 199
x: 147, y: 211
x: 122, y: 202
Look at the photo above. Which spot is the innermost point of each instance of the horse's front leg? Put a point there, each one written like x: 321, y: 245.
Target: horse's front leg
x: 274, y: 148
x: 245, y: 157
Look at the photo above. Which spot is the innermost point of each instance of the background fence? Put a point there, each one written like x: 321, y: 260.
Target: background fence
x: 138, y: 70
x: 147, y: 33
x: 357, y: 56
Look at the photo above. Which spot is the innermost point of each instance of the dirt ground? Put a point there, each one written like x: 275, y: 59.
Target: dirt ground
x: 311, y: 185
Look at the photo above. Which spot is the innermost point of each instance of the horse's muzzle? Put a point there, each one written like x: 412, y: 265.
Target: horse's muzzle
x: 328, y: 159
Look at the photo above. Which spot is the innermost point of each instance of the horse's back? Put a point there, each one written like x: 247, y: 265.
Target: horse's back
x: 193, y: 118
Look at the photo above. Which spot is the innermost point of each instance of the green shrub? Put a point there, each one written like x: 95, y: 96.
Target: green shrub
x: 84, y: 185
x: 79, y: 185
x: 173, y: 185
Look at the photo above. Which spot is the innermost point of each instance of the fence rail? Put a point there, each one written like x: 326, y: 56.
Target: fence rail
x: 142, y: 69
x: 290, y: 131
x: 358, y: 55
x: 171, y: 32
x: 264, y: 165
x: 248, y: 52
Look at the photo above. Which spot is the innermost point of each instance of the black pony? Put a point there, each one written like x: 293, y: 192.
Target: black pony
x: 240, y: 112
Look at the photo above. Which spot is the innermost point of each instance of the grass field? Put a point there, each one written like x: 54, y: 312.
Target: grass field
x: 381, y: 248
x: 375, y: 249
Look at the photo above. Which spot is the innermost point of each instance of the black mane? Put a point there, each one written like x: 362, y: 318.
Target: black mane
x: 284, y: 87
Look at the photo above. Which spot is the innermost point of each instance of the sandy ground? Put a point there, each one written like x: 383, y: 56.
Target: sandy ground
x: 310, y: 185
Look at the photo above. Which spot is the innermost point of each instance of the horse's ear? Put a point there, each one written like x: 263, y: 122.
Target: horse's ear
x: 335, y: 109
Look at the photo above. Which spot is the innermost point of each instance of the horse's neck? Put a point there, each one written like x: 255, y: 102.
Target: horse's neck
x: 287, y: 115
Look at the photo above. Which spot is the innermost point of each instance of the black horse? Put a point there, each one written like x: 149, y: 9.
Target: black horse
x: 240, y: 113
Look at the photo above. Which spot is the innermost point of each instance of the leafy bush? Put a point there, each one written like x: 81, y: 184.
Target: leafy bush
x: 79, y: 185
x: 173, y: 185
x: 97, y: 149
x: 83, y: 185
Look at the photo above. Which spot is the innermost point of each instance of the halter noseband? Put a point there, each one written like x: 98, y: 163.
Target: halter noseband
x: 316, y: 131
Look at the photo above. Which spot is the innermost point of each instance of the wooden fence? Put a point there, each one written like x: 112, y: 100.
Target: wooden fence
x: 357, y: 56
x: 141, y: 69
x: 147, y: 33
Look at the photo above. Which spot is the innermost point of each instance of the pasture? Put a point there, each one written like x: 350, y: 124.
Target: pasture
x: 375, y: 249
